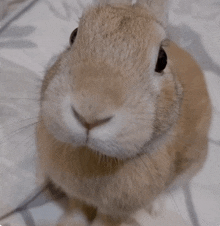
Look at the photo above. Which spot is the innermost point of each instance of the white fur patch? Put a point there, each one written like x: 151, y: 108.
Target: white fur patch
x: 108, y: 130
x: 166, y: 218
x: 74, y: 127
x: 75, y: 218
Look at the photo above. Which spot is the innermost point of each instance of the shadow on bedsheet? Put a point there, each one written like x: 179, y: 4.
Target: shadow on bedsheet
x: 15, y: 37
x: 194, y: 46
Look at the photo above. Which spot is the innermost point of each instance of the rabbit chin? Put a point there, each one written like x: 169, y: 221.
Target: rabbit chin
x: 109, y: 146
x: 123, y: 137
x: 100, y: 140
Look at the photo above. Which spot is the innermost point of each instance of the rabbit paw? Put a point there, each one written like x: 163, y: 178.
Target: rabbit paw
x: 102, y: 220
x: 73, y: 219
x: 156, y: 209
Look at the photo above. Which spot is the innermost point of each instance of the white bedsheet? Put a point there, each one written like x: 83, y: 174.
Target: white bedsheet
x: 26, y: 48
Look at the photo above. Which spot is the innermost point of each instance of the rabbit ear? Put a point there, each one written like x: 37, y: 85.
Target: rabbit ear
x: 158, y: 7
x: 129, y: 2
x: 98, y: 2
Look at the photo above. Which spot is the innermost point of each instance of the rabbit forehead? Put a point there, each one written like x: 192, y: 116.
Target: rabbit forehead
x: 98, y: 81
x: 118, y: 34
x: 109, y: 22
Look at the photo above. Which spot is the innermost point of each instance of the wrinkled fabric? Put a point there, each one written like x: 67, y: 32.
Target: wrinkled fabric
x: 31, y: 43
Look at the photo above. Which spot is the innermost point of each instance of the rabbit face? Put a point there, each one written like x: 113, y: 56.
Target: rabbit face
x: 107, y: 92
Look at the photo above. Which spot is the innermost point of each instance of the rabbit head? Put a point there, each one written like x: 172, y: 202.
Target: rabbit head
x: 112, y: 90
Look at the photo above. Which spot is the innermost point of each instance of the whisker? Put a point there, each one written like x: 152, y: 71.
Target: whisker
x: 18, y: 122
x: 16, y: 132
x: 25, y: 144
x: 18, y: 98
x: 34, y: 133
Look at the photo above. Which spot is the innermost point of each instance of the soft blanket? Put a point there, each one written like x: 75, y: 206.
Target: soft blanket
x: 31, y: 42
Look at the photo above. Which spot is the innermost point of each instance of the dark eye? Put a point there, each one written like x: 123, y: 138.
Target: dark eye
x: 73, y: 36
x: 161, y: 61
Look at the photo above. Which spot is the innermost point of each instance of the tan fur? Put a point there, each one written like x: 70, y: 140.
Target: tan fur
x: 109, y: 71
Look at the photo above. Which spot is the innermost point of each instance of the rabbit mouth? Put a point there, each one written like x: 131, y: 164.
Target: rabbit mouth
x: 110, y: 146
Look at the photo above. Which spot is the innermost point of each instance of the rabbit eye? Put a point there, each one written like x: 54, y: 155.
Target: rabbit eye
x: 73, y: 36
x: 161, y: 61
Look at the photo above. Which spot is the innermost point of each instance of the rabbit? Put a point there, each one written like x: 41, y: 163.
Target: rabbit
x: 124, y: 115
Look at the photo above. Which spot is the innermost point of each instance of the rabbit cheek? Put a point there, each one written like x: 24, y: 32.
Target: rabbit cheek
x: 57, y: 115
x: 75, y: 132
x: 59, y: 122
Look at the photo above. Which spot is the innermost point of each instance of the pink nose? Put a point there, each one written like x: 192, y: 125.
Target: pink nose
x: 87, y: 125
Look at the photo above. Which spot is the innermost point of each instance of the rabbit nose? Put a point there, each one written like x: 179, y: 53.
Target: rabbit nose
x: 87, y: 125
